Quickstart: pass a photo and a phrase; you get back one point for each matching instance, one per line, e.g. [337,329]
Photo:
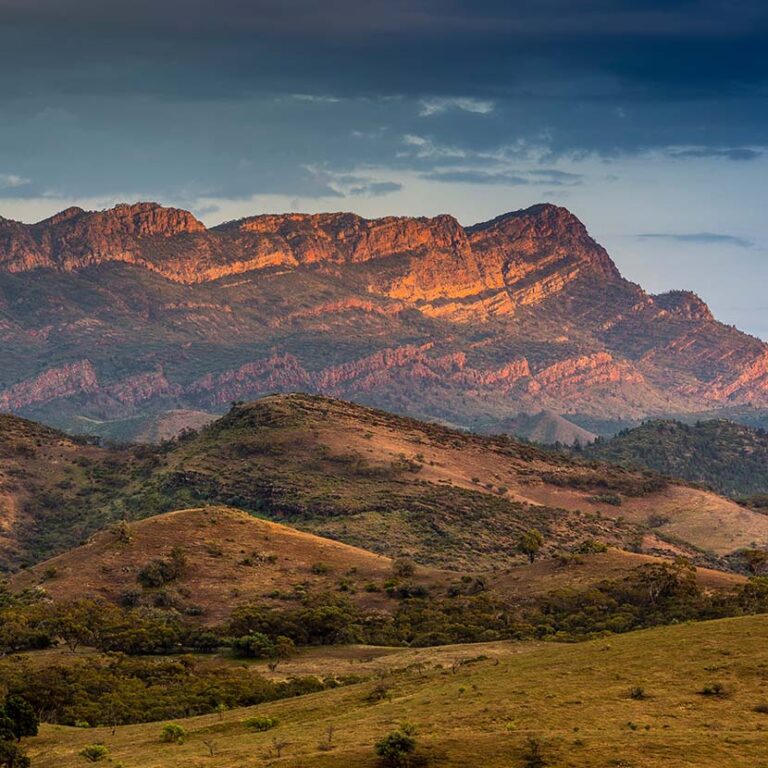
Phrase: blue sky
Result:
[647,118]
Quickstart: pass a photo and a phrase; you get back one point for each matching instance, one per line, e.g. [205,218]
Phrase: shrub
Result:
[320,569]
[173,734]
[403,567]
[261,723]
[716,690]
[257,645]
[606,498]
[93,753]
[637,693]
[395,750]
[532,755]
[378,693]
[762,708]
[591,547]
[13,756]
[159,572]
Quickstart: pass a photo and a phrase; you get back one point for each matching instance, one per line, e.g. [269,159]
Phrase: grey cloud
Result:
[705,238]
[476,177]
[548,176]
[375,189]
[739,154]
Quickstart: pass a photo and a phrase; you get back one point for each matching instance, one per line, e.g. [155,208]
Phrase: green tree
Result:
[173,734]
[396,749]
[18,718]
[530,543]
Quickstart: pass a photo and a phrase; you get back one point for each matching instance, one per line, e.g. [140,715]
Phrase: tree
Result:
[257,645]
[173,734]
[396,749]
[18,718]
[530,543]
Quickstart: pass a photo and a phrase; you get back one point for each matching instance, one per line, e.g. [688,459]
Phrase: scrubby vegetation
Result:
[728,457]
[275,458]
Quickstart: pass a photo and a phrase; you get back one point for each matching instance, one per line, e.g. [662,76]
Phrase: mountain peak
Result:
[148,218]
[542,214]
[685,304]
[59,218]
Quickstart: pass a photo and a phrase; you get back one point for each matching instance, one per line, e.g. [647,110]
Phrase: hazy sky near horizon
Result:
[647,118]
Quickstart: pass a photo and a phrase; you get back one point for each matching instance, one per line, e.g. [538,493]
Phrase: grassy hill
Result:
[391,485]
[233,559]
[577,701]
[730,458]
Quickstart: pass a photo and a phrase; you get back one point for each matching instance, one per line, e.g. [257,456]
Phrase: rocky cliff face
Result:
[141,307]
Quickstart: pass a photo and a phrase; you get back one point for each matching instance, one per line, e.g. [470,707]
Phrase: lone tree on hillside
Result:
[530,543]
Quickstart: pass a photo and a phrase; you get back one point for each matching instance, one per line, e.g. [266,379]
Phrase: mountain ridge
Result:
[140,309]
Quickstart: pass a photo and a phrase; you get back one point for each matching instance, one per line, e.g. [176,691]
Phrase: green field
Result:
[575,699]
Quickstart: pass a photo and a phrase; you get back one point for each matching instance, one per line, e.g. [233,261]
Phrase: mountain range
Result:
[112,317]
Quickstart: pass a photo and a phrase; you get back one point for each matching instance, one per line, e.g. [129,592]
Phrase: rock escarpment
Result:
[142,308]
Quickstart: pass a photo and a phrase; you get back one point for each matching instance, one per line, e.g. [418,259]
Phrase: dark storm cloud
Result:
[706,238]
[227,98]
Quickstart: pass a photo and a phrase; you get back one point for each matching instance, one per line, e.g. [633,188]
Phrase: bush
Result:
[403,568]
[159,572]
[532,756]
[762,708]
[173,734]
[261,723]
[13,756]
[607,498]
[637,693]
[257,645]
[716,690]
[93,753]
[396,749]
[591,547]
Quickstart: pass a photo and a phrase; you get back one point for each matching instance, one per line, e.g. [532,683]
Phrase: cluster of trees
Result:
[116,689]
[40,624]
[17,720]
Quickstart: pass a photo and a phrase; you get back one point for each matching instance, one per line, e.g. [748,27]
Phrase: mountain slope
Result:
[141,309]
[729,457]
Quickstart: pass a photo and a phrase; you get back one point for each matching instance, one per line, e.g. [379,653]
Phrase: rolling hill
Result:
[547,428]
[728,457]
[115,315]
[233,559]
[392,485]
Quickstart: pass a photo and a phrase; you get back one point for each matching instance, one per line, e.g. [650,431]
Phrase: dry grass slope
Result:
[233,558]
[574,698]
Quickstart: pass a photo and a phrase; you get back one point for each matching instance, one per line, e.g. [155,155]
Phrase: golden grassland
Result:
[574,698]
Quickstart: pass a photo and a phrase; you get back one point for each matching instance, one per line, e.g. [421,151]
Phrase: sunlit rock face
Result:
[142,308]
